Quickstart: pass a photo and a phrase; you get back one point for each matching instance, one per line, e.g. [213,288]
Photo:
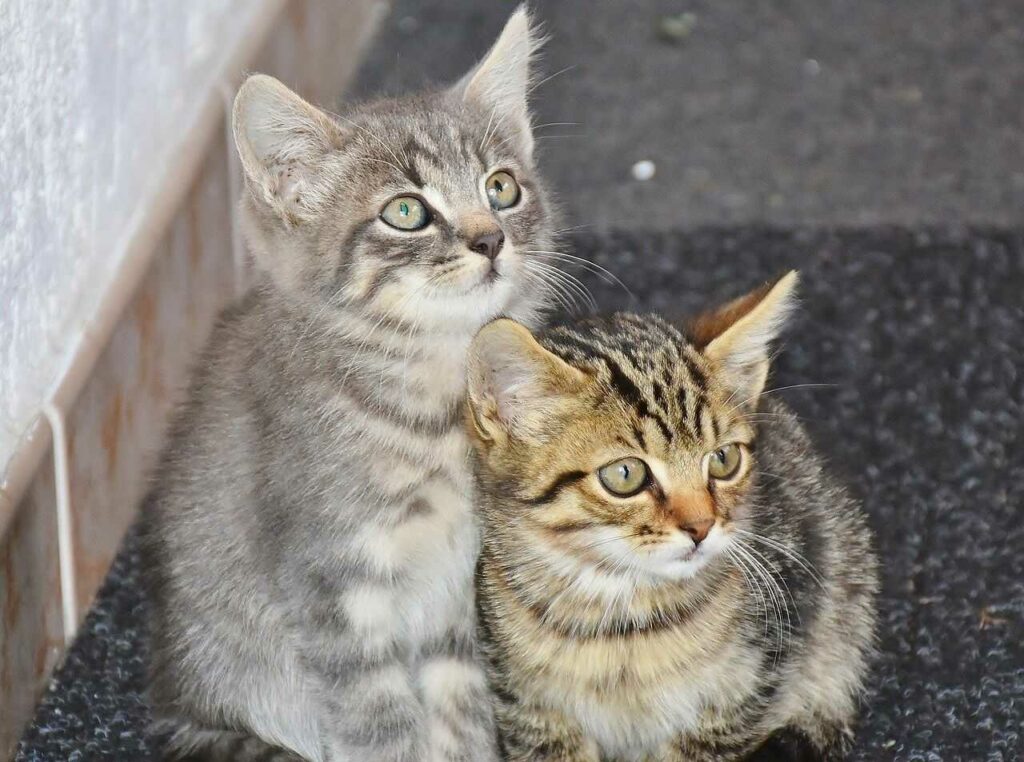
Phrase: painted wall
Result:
[94,95]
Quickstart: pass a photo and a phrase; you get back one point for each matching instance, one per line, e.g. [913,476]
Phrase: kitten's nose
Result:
[488,244]
[698,530]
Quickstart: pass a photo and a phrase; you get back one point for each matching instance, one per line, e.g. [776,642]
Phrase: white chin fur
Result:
[469,300]
[672,560]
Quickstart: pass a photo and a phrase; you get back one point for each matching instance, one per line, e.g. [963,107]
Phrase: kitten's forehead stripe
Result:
[649,365]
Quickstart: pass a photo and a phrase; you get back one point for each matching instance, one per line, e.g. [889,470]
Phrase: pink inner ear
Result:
[289,180]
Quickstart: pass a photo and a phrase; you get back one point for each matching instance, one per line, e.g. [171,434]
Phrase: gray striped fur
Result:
[309,537]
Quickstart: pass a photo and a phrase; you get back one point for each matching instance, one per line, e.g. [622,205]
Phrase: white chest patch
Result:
[630,726]
[430,556]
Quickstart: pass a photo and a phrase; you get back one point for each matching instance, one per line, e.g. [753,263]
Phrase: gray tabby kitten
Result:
[668,572]
[310,537]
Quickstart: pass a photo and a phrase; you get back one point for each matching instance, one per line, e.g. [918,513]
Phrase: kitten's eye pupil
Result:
[404,207]
[624,478]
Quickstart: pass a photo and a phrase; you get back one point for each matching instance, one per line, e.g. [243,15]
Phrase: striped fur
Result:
[310,538]
[610,635]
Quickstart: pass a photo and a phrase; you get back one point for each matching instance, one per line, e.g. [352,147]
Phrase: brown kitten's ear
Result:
[500,83]
[515,385]
[281,139]
[737,337]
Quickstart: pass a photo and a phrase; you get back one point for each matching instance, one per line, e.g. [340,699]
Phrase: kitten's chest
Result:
[640,716]
[427,544]
[634,694]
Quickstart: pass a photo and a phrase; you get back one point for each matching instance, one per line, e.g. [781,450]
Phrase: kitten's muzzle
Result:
[488,244]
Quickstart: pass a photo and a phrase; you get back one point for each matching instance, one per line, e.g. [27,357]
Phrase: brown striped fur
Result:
[610,635]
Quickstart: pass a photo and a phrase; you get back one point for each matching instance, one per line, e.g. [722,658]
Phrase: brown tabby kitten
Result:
[667,572]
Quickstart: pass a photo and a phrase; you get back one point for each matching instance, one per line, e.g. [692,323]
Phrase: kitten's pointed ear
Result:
[281,140]
[515,385]
[737,337]
[500,83]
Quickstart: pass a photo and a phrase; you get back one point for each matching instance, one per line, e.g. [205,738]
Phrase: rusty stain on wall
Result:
[110,432]
[30,599]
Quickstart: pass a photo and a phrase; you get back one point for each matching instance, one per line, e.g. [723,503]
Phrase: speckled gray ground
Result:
[792,112]
[922,336]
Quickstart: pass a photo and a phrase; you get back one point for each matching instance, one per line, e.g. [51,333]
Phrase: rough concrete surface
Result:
[834,112]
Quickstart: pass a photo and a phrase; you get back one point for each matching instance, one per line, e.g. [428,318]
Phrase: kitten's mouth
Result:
[687,554]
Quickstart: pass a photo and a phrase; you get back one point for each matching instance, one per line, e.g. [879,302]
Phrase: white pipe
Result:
[65,533]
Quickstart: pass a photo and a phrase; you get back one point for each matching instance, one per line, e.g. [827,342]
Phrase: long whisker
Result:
[550,77]
[779,607]
[557,281]
[751,583]
[573,228]
[791,553]
[553,290]
[777,390]
[603,272]
[570,281]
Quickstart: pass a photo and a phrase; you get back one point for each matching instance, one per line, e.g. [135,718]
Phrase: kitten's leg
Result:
[793,744]
[182,741]
[532,734]
[460,717]
[720,746]
[370,709]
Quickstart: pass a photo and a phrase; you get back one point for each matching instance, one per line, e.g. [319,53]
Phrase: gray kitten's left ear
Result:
[282,141]
[500,83]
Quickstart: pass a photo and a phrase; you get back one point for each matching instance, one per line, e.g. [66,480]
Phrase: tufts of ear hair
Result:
[282,141]
[515,385]
[500,83]
[737,337]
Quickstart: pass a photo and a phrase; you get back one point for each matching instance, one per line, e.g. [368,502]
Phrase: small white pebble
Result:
[812,67]
[643,170]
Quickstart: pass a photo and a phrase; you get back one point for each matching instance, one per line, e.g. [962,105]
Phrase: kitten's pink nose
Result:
[488,244]
[698,530]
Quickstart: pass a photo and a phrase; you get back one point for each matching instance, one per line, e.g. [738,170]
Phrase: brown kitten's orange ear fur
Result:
[515,385]
[737,337]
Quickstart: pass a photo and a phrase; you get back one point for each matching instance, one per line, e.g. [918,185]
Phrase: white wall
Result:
[94,96]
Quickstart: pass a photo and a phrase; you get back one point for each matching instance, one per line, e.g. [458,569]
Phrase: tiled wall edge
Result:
[51,444]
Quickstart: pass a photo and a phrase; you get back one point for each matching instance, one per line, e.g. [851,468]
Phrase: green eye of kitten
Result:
[405,213]
[725,462]
[502,190]
[624,478]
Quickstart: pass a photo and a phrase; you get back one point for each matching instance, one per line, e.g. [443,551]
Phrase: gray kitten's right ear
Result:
[500,83]
[281,141]
[515,385]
